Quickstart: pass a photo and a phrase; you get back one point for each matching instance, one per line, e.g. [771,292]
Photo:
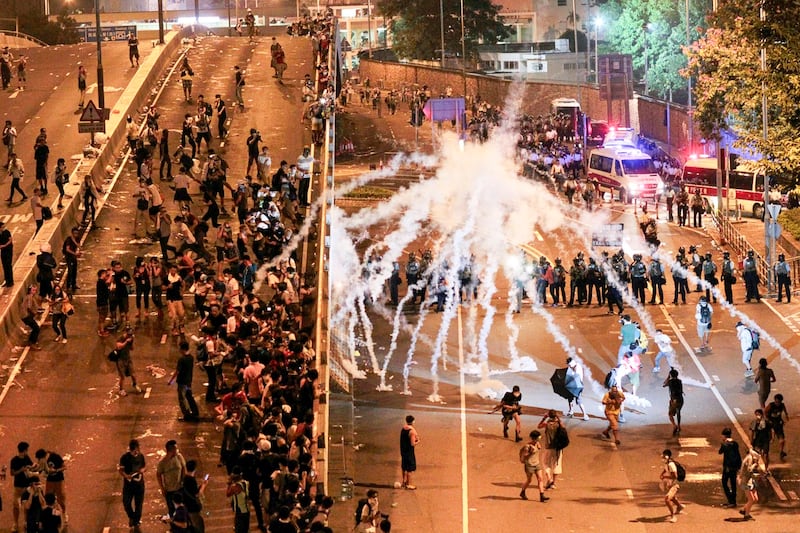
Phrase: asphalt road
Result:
[603,485]
[65,396]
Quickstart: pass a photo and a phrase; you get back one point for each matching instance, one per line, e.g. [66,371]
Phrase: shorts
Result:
[187,84]
[702,329]
[675,405]
[125,368]
[777,430]
[532,469]
[102,311]
[613,421]
[673,491]
[154,210]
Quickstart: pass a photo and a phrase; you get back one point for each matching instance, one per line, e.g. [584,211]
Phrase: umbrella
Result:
[575,387]
[559,382]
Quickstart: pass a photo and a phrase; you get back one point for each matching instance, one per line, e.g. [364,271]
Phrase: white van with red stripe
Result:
[746,184]
[624,171]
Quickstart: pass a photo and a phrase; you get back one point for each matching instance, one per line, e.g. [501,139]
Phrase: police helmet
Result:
[751,253]
[726,254]
[692,249]
[708,255]
[781,257]
[681,250]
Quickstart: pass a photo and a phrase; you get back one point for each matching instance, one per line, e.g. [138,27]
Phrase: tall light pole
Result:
[689,85]
[101,96]
[369,27]
[598,21]
[441,23]
[769,235]
[463,52]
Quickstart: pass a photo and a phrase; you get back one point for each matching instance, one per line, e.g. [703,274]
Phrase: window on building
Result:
[510,65]
[562,3]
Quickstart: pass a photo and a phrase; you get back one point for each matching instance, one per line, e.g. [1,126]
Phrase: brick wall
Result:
[536,96]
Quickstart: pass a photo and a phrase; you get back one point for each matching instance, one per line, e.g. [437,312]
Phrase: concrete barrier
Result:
[56,230]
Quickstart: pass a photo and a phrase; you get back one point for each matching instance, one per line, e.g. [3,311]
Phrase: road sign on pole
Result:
[774,229]
[91,113]
[774,210]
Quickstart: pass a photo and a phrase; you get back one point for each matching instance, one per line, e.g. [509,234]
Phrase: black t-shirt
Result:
[191,491]
[5,237]
[185,367]
[276,526]
[103,294]
[511,402]
[181,515]
[132,463]
[17,462]
[122,278]
[55,462]
[50,520]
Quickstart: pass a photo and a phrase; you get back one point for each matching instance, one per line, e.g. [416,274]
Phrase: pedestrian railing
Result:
[23,36]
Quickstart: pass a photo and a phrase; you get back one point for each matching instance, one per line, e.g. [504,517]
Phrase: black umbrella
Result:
[559,382]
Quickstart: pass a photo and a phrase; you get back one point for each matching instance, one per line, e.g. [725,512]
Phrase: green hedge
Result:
[370,192]
[790,220]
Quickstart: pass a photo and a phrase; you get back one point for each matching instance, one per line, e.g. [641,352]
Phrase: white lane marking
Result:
[41,104]
[106,529]
[694,442]
[14,94]
[27,120]
[629,492]
[463,415]
[715,377]
[538,236]
[14,373]
[715,391]
[737,411]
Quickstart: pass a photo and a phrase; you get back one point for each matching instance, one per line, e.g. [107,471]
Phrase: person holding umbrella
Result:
[574,384]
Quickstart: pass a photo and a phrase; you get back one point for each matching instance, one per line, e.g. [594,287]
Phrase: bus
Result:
[746,184]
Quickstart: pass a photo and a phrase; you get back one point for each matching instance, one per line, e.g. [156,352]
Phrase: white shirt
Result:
[663,342]
[745,338]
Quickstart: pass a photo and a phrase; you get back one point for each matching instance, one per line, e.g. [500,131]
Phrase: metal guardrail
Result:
[25,36]
[740,245]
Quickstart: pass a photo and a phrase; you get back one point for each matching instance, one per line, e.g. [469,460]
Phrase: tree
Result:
[416,26]
[726,64]
[657,27]
[61,31]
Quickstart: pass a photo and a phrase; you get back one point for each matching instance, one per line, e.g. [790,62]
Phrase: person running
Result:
[675,386]
[764,377]
[408,442]
[124,362]
[753,467]
[574,382]
[510,409]
[665,350]
[731,463]
[239,83]
[612,401]
[777,415]
[530,456]
[669,483]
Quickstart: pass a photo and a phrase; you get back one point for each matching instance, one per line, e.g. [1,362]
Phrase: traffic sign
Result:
[774,229]
[609,235]
[92,127]
[91,113]
[774,210]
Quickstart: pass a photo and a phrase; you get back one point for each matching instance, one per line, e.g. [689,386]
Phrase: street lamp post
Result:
[769,221]
[441,22]
[597,23]
[463,52]
[646,59]
[101,97]
[689,85]
[369,27]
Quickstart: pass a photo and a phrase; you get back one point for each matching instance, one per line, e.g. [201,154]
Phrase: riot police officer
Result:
[782,273]
[728,276]
[751,278]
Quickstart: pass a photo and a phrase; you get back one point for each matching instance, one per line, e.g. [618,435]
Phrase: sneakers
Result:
[122,392]
[518,439]
[621,419]
[523,495]
[58,339]
[63,341]
[585,417]
[543,498]
[411,487]
[656,369]
[681,509]
[672,519]
[569,414]
[748,373]
[606,435]
[137,388]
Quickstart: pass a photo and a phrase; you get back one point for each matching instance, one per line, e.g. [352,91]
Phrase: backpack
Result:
[202,352]
[756,339]
[360,509]
[113,356]
[705,314]
[524,453]
[680,471]
[642,340]
[560,438]
[6,138]
[608,382]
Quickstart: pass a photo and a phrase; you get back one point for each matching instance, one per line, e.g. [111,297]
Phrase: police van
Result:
[620,168]
[746,184]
